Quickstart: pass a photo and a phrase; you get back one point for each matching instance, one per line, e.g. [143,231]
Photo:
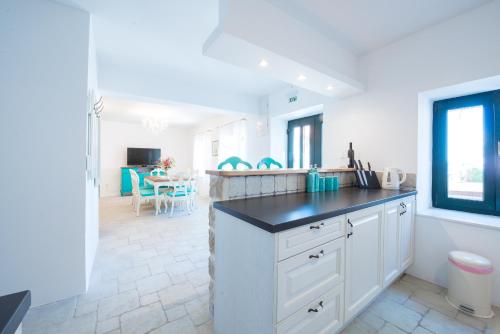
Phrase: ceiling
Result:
[175,114]
[365,25]
[167,36]
[163,41]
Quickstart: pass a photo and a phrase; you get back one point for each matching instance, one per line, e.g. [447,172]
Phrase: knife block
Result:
[371,178]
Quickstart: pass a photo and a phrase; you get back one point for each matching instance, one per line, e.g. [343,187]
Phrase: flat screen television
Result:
[143,156]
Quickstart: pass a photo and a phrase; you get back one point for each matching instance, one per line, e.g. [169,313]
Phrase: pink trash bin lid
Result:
[470,262]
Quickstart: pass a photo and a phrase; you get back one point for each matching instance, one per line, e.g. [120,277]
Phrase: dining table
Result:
[158,181]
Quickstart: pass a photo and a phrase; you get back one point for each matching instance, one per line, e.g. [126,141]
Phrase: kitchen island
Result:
[307,262]
[238,184]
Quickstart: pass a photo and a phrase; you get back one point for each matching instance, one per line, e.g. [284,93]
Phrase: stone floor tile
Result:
[371,319]
[107,325]
[152,284]
[143,319]
[133,274]
[441,324]
[85,308]
[358,327]
[198,311]
[48,315]
[177,294]
[85,324]
[178,279]
[396,314]
[149,299]
[390,329]
[179,326]
[206,328]
[198,277]
[421,330]
[434,301]
[416,306]
[397,292]
[477,323]
[122,287]
[175,312]
[116,305]
[422,284]
[180,268]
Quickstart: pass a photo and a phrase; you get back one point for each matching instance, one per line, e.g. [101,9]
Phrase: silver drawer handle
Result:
[316,227]
[317,309]
[317,256]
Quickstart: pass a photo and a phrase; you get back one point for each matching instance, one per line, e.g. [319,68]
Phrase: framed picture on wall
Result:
[215,148]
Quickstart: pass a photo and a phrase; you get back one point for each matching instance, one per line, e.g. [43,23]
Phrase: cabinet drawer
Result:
[305,237]
[327,319]
[307,276]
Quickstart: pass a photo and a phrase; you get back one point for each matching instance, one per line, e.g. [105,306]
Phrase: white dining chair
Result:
[193,191]
[178,194]
[139,194]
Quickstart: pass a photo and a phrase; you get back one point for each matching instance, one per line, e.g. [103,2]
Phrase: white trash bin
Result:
[469,283]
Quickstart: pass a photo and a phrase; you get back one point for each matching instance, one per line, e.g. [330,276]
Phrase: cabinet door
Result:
[363,278]
[406,228]
[391,241]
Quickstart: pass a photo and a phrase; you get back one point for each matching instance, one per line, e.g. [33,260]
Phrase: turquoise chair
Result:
[234,162]
[266,163]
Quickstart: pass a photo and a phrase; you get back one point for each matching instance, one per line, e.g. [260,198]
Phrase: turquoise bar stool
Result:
[234,162]
[266,163]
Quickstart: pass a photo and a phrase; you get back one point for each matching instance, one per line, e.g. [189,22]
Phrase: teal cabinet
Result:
[126,184]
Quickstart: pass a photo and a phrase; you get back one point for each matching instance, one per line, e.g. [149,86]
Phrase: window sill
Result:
[466,218]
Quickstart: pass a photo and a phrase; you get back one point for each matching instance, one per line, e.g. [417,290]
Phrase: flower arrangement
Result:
[168,163]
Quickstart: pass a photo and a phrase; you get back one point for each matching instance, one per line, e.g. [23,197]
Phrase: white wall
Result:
[92,189]
[117,136]
[435,238]
[382,123]
[44,73]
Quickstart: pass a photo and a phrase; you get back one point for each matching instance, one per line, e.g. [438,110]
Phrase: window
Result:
[304,142]
[466,153]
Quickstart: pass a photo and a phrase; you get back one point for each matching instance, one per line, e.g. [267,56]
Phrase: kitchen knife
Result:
[363,173]
[360,178]
[369,168]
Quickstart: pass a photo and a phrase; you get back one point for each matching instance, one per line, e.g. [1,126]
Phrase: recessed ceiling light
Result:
[263,63]
[329,87]
[301,77]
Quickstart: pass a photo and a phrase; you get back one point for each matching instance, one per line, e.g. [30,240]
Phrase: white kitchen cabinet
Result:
[363,279]
[391,243]
[406,225]
[309,279]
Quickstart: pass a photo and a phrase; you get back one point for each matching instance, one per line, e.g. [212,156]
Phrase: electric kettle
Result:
[391,178]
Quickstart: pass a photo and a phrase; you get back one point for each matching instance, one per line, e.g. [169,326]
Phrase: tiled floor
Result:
[411,305]
[150,276]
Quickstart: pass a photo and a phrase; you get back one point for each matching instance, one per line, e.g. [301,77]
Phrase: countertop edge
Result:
[308,220]
[257,172]
[18,312]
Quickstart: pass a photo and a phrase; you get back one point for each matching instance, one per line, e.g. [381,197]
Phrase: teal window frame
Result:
[316,123]
[491,178]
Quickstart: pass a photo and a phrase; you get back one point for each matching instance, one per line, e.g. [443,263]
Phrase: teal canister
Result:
[329,183]
[321,184]
[310,180]
[335,183]
[316,181]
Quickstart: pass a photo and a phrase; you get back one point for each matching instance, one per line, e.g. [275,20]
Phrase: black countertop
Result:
[283,212]
[13,308]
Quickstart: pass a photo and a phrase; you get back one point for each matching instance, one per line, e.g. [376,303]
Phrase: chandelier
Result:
[155,125]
